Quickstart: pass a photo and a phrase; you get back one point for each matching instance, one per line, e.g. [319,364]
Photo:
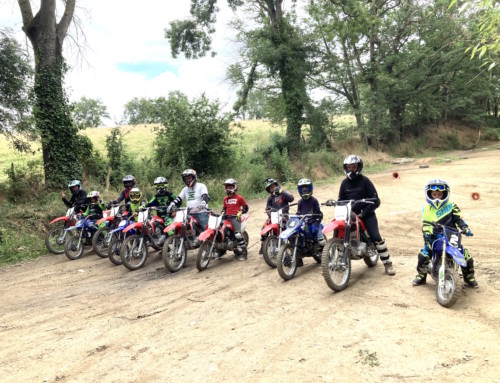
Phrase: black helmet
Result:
[268,182]
[231,185]
[353,159]
[305,188]
[128,182]
[161,184]
[187,173]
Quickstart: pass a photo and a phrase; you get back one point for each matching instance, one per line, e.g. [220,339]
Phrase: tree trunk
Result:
[52,116]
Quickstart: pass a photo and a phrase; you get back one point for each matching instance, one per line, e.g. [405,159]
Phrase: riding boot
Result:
[384,257]
[468,273]
[242,246]
[423,261]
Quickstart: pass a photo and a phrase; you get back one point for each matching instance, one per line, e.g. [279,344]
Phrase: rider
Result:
[131,207]
[309,205]
[196,196]
[128,184]
[234,206]
[440,209]
[278,199]
[355,187]
[162,200]
[78,196]
[95,208]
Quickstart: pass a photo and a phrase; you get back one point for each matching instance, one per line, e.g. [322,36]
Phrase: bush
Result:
[24,182]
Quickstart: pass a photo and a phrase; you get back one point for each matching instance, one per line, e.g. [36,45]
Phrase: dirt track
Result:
[88,320]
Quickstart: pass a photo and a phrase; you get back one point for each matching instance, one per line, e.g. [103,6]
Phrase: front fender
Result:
[207,234]
[65,219]
[289,232]
[176,226]
[272,227]
[136,225]
[457,255]
[335,225]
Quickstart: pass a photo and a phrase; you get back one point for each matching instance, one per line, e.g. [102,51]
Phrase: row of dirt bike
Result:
[288,240]
[126,239]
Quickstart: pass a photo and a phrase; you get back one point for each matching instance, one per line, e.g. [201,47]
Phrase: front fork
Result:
[442,268]
[295,247]
[347,237]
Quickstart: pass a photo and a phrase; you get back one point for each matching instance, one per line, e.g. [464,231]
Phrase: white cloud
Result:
[127,31]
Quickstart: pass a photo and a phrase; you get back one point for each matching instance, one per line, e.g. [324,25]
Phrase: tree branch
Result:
[26,12]
[62,27]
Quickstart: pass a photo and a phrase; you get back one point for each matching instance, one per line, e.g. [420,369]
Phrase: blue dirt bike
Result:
[297,242]
[447,255]
[117,238]
[84,230]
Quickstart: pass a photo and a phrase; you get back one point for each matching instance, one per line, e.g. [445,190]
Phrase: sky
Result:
[126,54]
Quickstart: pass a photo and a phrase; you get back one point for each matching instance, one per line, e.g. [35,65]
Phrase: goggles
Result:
[305,189]
[437,187]
[135,196]
[161,186]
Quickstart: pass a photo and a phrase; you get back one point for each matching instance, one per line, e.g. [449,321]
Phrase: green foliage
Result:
[88,113]
[144,111]
[24,182]
[16,79]
[369,358]
[194,134]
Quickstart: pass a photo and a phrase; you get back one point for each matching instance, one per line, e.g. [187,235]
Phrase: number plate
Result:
[274,217]
[340,213]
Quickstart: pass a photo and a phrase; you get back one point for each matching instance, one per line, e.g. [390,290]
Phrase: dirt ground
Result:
[88,320]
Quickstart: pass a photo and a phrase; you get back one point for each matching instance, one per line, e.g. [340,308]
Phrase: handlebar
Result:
[332,202]
[440,226]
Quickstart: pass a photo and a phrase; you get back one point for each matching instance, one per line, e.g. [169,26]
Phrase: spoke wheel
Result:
[73,248]
[204,255]
[114,251]
[134,255]
[335,271]
[174,256]
[448,295]
[101,240]
[286,262]
[56,238]
[270,250]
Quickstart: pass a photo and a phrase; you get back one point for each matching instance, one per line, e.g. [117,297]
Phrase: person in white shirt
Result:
[196,196]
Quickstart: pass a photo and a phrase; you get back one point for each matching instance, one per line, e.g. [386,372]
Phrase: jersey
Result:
[193,195]
[449,215]
[310,206]
[279,201]
[233,204]
[356,189]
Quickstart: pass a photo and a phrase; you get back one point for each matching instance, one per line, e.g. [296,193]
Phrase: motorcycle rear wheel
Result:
[270,250]
[448,295]
[335,272]
[286,262]
[114,251]
[204,255]
[71,248]
[171,258]
[56,238]
[371,257]
[101,241]
[131,256]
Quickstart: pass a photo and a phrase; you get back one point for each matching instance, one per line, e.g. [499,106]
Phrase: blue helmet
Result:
[305,188]
[437,185]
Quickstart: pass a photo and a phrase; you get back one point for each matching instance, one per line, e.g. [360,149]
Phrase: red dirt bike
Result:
[183,236]
[350,241]
[57,235]
[219,238]
[103,237]
[273,228]
[148,228]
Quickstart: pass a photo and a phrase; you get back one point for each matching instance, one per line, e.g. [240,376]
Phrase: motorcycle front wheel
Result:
[336,272]
[73,248]
[270,250]
[448,295]
[286,262]
[101,241]
[132,253]
[114,251]
[174,255]
[204,255]
[56,238]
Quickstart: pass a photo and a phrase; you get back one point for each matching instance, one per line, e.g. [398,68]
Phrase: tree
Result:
[51,110]
[16,78]
[143,111]
[88,113]
[278,47]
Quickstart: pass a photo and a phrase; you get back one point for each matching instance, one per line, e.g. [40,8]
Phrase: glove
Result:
[171,207]
[467,231]
[238,216]
[108,206]
[203,205]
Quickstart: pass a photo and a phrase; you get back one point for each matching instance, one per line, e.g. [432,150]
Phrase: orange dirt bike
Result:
[218,238]
[183,236]
[148,228]
[350,242]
